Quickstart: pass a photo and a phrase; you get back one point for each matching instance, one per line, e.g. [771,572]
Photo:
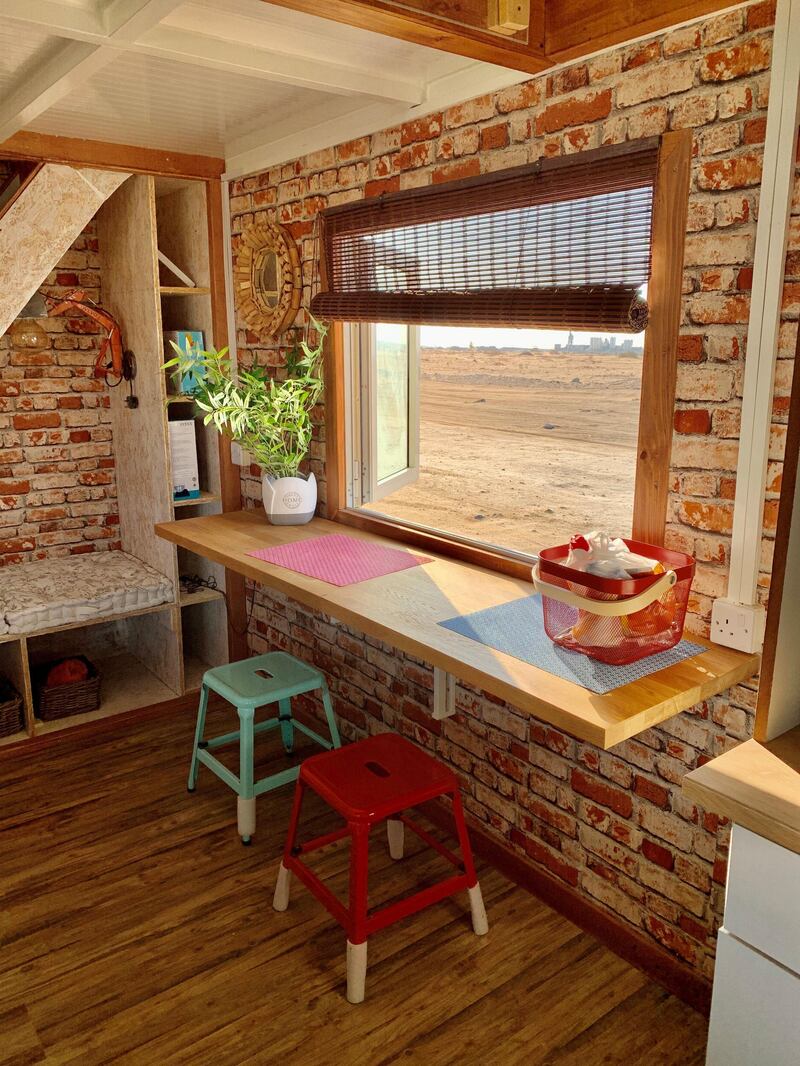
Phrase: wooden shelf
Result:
[404,609]
[200,595]
[126,684]
[85,623]
[184,290]
[193,670]
[13,738]
[204,497]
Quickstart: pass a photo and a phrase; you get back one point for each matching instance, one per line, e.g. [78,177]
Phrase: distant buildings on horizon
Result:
[600,346]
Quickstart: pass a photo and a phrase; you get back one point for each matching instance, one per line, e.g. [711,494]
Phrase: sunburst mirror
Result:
[268,278]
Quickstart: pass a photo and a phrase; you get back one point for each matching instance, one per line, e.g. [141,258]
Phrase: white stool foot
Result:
[280,901]
[394,832]
[356,971]
[246,816]
[480,923]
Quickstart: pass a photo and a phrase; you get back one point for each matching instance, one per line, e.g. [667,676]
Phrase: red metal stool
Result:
[368,782]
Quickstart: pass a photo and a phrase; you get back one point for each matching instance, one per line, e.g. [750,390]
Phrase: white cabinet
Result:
[755,1009]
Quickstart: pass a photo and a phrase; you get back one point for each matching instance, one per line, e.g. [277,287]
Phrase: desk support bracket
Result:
[444,694]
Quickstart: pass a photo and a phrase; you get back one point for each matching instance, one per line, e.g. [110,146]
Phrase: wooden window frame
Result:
[659,372]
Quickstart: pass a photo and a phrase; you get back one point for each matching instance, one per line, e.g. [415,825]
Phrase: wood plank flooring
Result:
[135,928]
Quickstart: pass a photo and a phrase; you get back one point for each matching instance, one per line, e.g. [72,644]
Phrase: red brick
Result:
[421,129]
[658,854]
[755,130]
[692,420]
[736,172]
[574,111]
[494,136]
[672,939]
[37,420]
[760,16]
[750,57]
[717,518]
[651,791]
[463,168]
[381,185]
[554,863]
[642,54]
[615,799]
[690,348]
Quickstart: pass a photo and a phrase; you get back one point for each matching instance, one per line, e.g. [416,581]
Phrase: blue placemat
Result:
[517,628]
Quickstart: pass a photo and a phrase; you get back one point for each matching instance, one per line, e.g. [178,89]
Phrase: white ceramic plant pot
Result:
[289,501]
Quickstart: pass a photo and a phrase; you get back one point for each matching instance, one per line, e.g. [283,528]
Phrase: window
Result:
[493,377]
[516,438]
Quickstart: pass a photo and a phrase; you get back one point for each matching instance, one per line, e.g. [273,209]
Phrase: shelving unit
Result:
[161,652]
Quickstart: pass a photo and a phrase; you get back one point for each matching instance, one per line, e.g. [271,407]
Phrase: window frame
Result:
[659,372]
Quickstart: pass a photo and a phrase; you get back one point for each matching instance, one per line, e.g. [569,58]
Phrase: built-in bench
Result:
[51,593]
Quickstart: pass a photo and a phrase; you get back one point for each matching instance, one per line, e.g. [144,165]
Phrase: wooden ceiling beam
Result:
[460,28]
[576,28]
[106,156]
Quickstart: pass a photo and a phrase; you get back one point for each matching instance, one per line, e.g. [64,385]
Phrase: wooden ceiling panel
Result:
[457,26]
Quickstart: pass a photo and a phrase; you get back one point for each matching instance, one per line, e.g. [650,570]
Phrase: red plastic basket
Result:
[614,621]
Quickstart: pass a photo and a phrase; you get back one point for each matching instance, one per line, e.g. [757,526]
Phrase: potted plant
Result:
[270,419]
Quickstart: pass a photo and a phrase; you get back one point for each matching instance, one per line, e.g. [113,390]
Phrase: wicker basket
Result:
[61,701]
[10,709]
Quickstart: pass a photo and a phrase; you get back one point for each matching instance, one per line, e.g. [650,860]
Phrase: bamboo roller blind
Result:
[562,244]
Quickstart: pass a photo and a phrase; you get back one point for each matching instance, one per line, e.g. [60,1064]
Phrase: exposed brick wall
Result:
[57,484]
[613,825]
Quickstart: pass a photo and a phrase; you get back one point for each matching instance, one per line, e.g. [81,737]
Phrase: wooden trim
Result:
[659,373]
[25,181]
[780,557]
[616,934]
[449,544]
[660,367]
[335,430]
[106,156]
[446,34]
[230,477]
[575,29]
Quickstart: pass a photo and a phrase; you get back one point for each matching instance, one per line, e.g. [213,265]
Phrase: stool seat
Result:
[263,679]
[377,777]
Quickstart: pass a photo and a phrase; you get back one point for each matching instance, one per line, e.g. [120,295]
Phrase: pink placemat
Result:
[339,560]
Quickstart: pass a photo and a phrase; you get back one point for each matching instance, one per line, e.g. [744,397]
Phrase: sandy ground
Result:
[491,468]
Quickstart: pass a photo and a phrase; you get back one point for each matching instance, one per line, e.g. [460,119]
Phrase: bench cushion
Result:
[78,588]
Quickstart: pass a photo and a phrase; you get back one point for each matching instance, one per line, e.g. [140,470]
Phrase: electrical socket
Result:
[738,625]
[239,456]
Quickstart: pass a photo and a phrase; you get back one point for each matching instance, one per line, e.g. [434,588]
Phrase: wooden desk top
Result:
[755,785]
[403,610]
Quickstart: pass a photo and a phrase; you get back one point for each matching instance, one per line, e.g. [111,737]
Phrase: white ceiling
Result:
[242,79]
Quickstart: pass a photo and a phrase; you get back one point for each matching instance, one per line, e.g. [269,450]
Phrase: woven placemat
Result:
[517,628]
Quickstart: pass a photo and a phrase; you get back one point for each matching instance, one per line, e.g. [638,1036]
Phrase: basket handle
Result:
[606,608]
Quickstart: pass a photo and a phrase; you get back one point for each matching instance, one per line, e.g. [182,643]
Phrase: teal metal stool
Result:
[252,683]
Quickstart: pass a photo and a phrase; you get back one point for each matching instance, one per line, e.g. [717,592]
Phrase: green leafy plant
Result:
[270,419]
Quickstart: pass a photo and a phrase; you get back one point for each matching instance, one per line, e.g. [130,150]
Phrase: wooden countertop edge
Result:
[603,735]
[755,787]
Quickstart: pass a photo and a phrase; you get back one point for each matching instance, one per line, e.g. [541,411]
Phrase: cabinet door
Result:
[755,1010]
[762,906]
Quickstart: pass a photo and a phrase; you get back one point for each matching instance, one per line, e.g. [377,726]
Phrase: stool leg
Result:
[395,833]
[480,922]
[357,941]
[280,900]
[246,804]
[198,737]
[356,972]
[287,729]
[336,740]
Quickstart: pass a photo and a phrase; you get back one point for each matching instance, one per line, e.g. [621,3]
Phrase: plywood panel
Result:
[183,229]
[156,640]
[14,666]
[130,291]
[53,209]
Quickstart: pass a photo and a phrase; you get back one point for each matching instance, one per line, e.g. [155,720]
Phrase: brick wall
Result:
[612,825]
[57,485]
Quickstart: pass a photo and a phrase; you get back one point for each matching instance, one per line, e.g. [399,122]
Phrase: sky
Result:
[462,336]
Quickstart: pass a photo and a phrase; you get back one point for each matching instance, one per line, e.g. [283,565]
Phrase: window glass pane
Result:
[391,382]
[526,436]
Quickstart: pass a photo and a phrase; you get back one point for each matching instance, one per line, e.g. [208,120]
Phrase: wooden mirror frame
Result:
[256,242]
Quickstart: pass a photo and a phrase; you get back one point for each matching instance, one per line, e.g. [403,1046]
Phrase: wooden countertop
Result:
[403,610]
[755,785]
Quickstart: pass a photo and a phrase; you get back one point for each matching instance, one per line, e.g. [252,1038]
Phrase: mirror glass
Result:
[267,280]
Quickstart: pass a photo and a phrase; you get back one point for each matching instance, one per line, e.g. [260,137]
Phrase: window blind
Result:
[562,244]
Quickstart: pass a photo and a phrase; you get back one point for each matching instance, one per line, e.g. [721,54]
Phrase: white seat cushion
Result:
[78,588]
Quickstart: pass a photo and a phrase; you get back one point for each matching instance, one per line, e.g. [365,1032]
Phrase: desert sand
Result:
[523,449]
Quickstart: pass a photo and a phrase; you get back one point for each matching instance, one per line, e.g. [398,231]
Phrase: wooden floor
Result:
[134,927]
